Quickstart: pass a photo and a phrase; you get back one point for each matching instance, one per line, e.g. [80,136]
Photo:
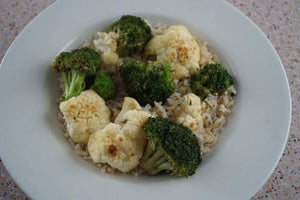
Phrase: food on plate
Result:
[131,33]
[178,47]
[143,99]
[171,147]
[121,144]
[107,47]
[84,115]
[189,112]
[104,85]
[147,82]
[212,79]
[74,66]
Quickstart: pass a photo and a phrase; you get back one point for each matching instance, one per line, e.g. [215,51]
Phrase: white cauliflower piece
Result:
[189,113]
[179,47]
[109,58]
[129,104]
[104,42]
[121,144]
[108,145]
[106,46]
[133,123]
[84,115]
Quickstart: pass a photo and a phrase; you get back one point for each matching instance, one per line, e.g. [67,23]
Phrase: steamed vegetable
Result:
[148,82]
[177,46]
[133,33]
[74,66]
[121,144]
[104,86]
[171,148]
[212,79]
[106,46]
[84,115]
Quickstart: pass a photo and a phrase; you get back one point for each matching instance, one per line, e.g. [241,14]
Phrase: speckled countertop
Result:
[280,21]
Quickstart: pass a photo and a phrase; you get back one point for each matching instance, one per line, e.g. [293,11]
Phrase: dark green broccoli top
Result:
[74,66]
[148,82]
[134,34]
[212,79]
[179,144]
[84,61]
[104,86]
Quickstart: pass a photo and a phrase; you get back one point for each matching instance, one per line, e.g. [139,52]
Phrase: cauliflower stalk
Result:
[178,47]
[189,112]
[106,46]
[84,114]
[121,144]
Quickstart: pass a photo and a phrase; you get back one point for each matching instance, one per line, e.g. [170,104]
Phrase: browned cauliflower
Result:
[84,114]
[178,47]
[121,144]
[189,112]
[106,46]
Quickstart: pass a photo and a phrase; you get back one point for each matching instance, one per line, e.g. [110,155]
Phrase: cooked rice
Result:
[214,109]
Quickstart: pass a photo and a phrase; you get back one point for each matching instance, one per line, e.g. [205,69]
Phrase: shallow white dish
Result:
[40,159]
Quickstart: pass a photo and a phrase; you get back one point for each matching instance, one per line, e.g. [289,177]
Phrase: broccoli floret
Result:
[74,66]
[171,148]
[212,79]
[148,82]
[104,86]
[133,34]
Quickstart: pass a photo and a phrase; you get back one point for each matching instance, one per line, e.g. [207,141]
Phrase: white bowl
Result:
[40,159]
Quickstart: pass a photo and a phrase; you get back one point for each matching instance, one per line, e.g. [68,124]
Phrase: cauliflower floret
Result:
[104,42]
[129,104]
[84,114]
[179,47]
[189,113]
[108,145]
[106,46]
[133,122]
[121,144]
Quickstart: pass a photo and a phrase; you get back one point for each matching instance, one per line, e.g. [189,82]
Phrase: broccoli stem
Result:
[152,161]
[74,83]
[155,160]
[160,161]
[149,150]
[66,81]
[162,167]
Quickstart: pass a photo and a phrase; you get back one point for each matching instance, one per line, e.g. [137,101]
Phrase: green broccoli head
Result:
[148,82]
[84,61]
[104,86]
[134,33]
[212,79]
[171,148]
[74,66]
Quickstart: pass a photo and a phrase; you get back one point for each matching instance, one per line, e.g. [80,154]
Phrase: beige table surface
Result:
[280,21]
